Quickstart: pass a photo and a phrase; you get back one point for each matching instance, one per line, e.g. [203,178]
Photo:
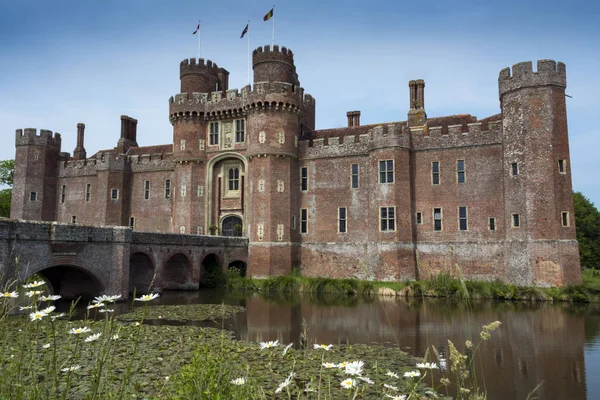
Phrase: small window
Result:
[516,221]
[88,192]
[515,169]
[240,131]
[386,171]
[293,222]
[387,219]
[437,219]
[462,218]
[304,179]
[114,194]
[200,191]
[74,219]
[182,229]
[214,133]
[492,224]
[63,193]
[33,196]
[303,220]
[354,176]
[146,190]
[281,139]
[132,222]
[201,143]
[182,144]
[167,188]
[183,190]
[342,219]
[460,171]
[435,173]
[562,167]
[199,230]
[233,179]
[419,218]
[565,219]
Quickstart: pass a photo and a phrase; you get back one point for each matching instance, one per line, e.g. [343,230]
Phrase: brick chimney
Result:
[79,152]
[353,118]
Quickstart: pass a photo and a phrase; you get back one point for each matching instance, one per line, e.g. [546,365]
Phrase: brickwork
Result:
[359,201]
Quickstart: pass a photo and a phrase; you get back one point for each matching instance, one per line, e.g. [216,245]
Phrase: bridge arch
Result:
[177,273]
[240,265]
[141,273]
[211,271]
[71,280]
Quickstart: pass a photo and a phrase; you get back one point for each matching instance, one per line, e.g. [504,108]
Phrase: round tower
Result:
[274,65]
[539,217]
[202,77]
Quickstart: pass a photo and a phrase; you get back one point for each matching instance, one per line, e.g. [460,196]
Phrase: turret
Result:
[79,152]
[274,65]
[202,77]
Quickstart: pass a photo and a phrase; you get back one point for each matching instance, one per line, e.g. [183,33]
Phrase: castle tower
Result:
[541,246]
[274,110]
[34,190]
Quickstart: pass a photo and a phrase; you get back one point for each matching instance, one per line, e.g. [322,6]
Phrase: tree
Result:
[587,220]
[7,171]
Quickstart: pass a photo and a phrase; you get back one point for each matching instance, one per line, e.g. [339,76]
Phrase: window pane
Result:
[461,165]
[461,177]
[462,212]
[383,212]
[436,166]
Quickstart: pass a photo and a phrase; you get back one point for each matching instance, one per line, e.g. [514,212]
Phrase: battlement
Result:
[549,73]
[29,136]
[265,53]
[190,65]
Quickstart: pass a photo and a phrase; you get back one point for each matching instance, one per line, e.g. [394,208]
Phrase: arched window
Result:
[234,179]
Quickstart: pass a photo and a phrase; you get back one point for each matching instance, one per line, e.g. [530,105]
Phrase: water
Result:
[557,345]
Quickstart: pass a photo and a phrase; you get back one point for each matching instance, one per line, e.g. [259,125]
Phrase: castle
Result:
[390,201]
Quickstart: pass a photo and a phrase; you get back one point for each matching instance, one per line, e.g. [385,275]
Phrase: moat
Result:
[557,344]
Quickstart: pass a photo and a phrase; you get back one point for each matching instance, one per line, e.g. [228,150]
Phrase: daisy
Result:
[93,337]
[48,310]
[343,364]
[392,374]
[287,348]
[427,365]
[36,316]
[106,299]
[32,293]
[34,284]
[46,346]
[394,388]
[108,310]
[285,383]
[115,337]
[354,368]
[25,308]
[50,298]
[412,374]
[239,381]
[326,347]
[268,345]
[329,365]
[53,317]
[95,305]
[148,297]
[365,379]
[76,331]
[71,369]
[399,397]
[348,383]
[14,295]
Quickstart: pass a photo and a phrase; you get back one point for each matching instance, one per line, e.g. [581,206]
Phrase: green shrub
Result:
[281,284]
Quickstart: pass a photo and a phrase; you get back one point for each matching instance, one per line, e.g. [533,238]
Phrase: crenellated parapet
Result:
[202,76]
[274,65]
[152,162]
[549,73]
[29,136]
[452,136]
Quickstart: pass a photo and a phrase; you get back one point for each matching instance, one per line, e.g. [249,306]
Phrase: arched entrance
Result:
[239,265]
[141,273]
[177,273]
[71,282]
[211,273]
[232,226]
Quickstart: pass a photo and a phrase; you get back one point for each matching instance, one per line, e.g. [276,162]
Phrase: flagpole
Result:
[273,43]
[248,52]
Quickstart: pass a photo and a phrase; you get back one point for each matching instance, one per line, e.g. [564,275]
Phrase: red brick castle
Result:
[390,201]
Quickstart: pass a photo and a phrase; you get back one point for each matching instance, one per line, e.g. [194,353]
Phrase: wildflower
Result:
[465,390]
[348,383]
[50,298]
[53,317]
[326,347]
[95,305]
[329,365]
[32,293]
[239,381]
[25,308]
[93,337]
[13,295]
[148,297]
[46,346]
[354,368]
[38,315]
[268,345]
[343,364]
[485,335]
[48,310]
[399,397]
[365,379]
[71,369]
[137,324]
[412,374]
[468,344]
[392,374]
[427,365]
[287,348]
[492,327]
[167,378]
[394,388]
[34,284]
[106,299]
[445,381]
[115,337]
[285,383]
[108,310]
[76,331]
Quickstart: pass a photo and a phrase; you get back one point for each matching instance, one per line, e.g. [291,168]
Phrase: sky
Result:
[91,61]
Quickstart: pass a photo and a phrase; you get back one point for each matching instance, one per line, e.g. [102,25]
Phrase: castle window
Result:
[435,172]
[234,179]
[293,222]
[304,179]
[462,218]
[132,222]
[114,194]
[460,171]
[167,188]
[182,144]
[354,176]
[199,230]
[562,167]
[88,192]
[183,190]
[516,221]
[565,218]
[200,191]
[437,219]
[419,218]
[342,220]
[387,219]
[240,131]
[33,196]
[214,134]
[63,193]
[182,229]
[201,143]
[281,139]
[492,224]
[515,169]
[74,219]
[386,171]
[303,220]
[146,190]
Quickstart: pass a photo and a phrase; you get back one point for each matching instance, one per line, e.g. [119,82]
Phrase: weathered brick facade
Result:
[389,201]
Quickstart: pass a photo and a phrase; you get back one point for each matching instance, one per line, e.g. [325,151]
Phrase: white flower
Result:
[329,365]
[53,317]
[399,397]
[46,346]
[115,337]
[71,369]
[50,298]
[343,364]
[268,345]
[323,346]
[25,308]
[148,297]
[95,305]
[34,284]
[285,383]
[239,381]
[106,299]
[76,331]
[394,388]
[14,295]
[427,365]
[38,315]
[412,374]
[33,293]
[48,310]
[137,324]
[354,368]
[108,310]
[392,374]
[287,348]
[93,337]
[348,383]
[365,379]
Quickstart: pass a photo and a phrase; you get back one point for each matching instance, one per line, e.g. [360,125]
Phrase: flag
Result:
[269,15]
[197,29]
[244,31]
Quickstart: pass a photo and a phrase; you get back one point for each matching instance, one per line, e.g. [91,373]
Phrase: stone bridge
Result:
[77,260]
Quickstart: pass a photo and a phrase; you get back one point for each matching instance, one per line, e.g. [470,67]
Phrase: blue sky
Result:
[66,61]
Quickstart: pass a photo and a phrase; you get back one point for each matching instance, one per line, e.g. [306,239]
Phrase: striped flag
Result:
[244,31]
[197,29]
[269,15]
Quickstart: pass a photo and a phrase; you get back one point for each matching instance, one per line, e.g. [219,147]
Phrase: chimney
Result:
[350,119]
[133,130]
[416,113]
[412,91]
[124,127]
[420,93]
[128,134]
[356,118]
[79,152]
